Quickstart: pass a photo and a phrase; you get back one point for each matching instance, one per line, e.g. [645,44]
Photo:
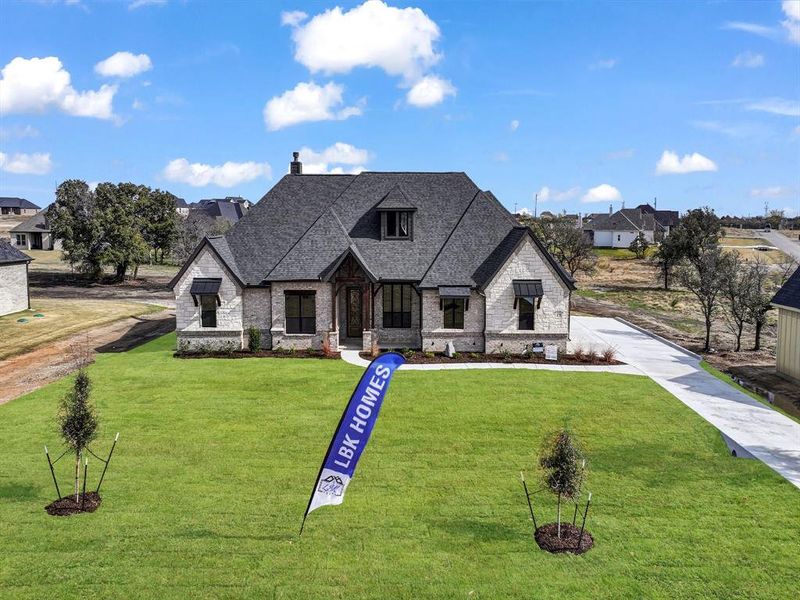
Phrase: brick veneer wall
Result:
[435,336]
[257,312]
[552,317]
[13,288]
[228,332]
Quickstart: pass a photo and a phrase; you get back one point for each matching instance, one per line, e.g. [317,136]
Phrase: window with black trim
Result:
[301,312]
[397,305]
[527,310]
[208,311]
[453,313]
[398,224]
[21,239]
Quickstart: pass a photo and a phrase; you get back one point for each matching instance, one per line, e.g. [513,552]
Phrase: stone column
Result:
[366,340]
[333,340]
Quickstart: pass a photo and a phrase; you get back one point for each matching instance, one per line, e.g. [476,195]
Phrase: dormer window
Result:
[398,224]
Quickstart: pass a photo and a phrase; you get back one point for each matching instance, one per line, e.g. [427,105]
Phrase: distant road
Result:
[790,247]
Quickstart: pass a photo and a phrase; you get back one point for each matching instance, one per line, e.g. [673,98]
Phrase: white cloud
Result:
[776,191]
[602,193]
[670,163]
[735,130]
[500,156]
[776,106]
[123,64]
[401,41]
[547,194]
[137,104]
[754,28]
[606,63]
[37,84]
[338,154]
[140,3]
[338,159]
[293,18]
[514,125]
[525,211]
[18,132]
[791,8]
[226,175]
[308,102]
[748,60]
[26,164]
[430,91]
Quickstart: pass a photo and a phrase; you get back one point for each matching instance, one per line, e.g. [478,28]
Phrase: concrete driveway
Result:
[751,427]
[786,245]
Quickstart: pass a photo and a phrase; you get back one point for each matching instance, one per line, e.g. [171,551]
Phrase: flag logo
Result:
[331,485]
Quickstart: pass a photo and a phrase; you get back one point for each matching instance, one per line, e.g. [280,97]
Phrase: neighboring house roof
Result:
[36,224]
[625,219]
[789,294]
[306,225]
[10,255]
[12,202]
[181,203]
[221,209]
[665,218]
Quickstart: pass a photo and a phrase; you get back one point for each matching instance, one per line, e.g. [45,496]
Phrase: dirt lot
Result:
[628,288]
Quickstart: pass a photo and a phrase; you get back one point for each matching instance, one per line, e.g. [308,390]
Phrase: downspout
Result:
[28,284]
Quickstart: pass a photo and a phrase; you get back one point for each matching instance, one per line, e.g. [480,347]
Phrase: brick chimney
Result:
[296,167]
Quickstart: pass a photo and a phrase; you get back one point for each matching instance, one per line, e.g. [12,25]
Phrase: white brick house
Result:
[14,295]
[412,260]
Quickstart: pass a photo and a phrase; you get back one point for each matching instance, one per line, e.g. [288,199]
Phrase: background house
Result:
[667,219]
[230,208]
[619,229]
[34,234]
[14,295]
[787,351]
[17,206]
[181,207]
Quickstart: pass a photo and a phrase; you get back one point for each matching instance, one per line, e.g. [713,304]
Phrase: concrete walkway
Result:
[352,357]
[760,431]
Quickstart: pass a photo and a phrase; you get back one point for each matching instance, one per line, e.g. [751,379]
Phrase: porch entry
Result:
[355,312]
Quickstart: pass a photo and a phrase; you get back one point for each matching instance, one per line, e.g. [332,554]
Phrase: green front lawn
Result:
[216,460]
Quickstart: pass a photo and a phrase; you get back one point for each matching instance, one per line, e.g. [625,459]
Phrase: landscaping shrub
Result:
[254,339]
[609,354]
[591,355]
[577,352]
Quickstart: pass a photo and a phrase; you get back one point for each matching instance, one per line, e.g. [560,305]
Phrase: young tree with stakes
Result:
[77,420]
[564,467]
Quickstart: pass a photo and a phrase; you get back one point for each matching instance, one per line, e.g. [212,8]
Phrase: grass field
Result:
[62,317]
[216,459]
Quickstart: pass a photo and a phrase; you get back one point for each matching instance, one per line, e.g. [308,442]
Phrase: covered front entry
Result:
[352,302]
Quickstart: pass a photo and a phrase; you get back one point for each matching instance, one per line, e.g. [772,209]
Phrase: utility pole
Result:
[536,205]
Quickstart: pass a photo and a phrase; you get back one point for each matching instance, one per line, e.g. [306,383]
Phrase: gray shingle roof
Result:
[307,224]
[9,254]
[789,294]
[626,219]
[37,223]
[13,202]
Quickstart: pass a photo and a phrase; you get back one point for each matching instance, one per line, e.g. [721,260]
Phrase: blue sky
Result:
[585,103]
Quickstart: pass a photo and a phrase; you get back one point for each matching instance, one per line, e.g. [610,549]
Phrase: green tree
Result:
[159,222]
[123,244]
[563,468]
[77,420]
[737,289]
[73,220]
[698,230]
[639,246]
[668,254]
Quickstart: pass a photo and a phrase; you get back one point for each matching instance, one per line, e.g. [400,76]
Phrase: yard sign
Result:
[352,433]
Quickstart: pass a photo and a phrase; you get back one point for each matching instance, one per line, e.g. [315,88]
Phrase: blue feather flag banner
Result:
[353,432]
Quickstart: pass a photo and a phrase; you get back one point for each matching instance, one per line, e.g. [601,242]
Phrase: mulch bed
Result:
[260,354]
[547,538]
[67,506]
[417,358]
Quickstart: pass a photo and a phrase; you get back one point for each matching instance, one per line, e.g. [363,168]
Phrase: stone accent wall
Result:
[191,334]
[551,323]
[435,336]
[390,337]
[256,312]
[13,288]
[280,338]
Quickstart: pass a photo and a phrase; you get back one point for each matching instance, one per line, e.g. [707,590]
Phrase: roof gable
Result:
[396,199]
[789,294]
[37,223]
[10,255]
